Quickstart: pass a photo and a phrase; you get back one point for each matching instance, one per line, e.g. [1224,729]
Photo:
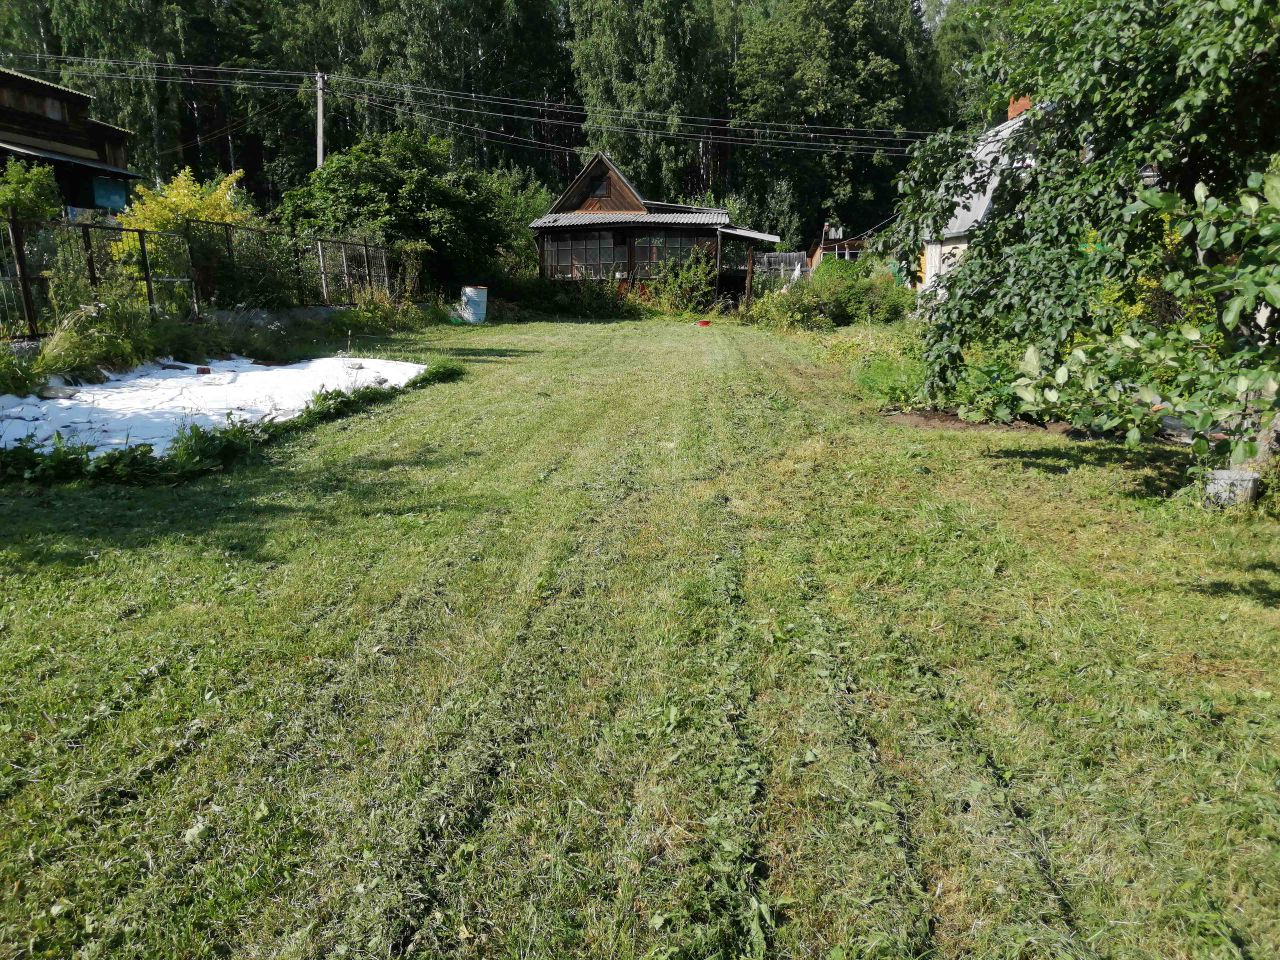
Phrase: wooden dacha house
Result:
[601,228]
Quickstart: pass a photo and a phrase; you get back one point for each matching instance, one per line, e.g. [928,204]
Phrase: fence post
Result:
[231,250]
[368,267]
[191,268]
[324,280]
[88,256]
[17,240]
[346,272]
[146,268]
[297,265]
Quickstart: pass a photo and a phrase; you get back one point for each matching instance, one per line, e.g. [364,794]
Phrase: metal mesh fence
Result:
[47,269]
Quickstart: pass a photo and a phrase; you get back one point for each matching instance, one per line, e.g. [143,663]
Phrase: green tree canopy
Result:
[400,188]
[1182,91]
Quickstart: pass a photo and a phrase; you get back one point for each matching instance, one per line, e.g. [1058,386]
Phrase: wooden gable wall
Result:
[621,199]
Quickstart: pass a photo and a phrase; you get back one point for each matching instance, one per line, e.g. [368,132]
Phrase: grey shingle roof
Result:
[706,218]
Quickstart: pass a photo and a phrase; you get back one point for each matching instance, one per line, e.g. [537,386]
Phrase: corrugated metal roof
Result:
[745,234]
[990,151]
[709,218]
[65,158]
[46,83]
[111,126]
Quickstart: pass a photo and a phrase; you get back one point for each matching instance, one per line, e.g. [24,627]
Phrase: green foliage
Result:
[796,308]
[376,311]
[171,205]
[440,370]
[861,291]
[17,373]
[397,188]
[1125,86]
[685,285]
[1217,373]
[837,293]
[834,63]
[517,298]
[519,200]
[968,29]
[110,335]
[884,360]
[29,191]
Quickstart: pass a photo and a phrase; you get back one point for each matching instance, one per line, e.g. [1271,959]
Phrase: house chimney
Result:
[1018,106]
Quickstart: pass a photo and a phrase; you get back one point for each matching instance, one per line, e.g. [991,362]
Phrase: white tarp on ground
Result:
[152,403]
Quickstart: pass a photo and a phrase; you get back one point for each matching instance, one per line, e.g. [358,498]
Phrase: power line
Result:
[871,133]
[238,78]
[511,138]
[264,111]
[866,149]
[635,115]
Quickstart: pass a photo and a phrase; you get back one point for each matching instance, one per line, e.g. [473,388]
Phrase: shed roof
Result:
[66,158]
[45,83]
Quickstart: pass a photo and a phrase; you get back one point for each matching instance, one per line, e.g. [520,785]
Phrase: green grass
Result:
[644,640]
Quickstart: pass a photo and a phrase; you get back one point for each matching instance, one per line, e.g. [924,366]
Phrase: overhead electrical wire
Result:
[634,115]
[873,133]
[708,138]
[724,132]
[511,139]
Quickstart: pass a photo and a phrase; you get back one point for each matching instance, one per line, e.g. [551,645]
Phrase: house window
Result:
[654,248]
[601,188]
[590,255]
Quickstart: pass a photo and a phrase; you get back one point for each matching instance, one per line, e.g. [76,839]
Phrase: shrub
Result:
[29,191]
[796,308]
[17,374]
[399,187]
[861,291]
[591,299]
[684,286]
[377,311]
[170,206]
[836,294]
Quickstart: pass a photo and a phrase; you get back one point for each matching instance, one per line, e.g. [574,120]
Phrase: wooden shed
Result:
[602,228]
[47,123]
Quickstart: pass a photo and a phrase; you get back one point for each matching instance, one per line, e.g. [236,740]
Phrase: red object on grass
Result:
[704,323]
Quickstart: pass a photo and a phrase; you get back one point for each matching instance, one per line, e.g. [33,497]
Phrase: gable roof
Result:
[973,206]
[596,164]
[563,212]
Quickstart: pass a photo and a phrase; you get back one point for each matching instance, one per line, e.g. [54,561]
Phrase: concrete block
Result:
[1226,488]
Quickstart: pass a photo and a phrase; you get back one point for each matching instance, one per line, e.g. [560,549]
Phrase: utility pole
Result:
[319,119]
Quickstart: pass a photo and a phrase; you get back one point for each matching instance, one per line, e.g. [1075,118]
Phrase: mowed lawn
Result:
[643,640]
